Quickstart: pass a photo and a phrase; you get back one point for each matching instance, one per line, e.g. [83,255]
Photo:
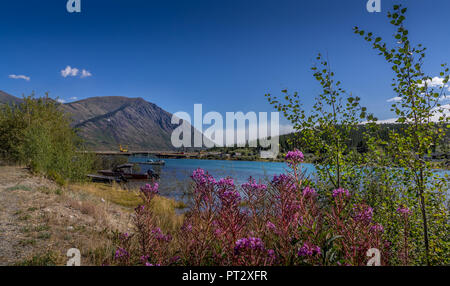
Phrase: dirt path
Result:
[40,221]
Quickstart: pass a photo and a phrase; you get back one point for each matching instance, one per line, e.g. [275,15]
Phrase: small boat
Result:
[126,171]
[153,162]
[105,179]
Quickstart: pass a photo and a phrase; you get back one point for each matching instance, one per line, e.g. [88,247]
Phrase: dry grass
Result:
[87,208]
[41,221]
[164,208]
[112,193]
[167,218]
[45,220]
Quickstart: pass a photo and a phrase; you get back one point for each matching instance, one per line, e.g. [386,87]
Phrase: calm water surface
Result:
[175,174]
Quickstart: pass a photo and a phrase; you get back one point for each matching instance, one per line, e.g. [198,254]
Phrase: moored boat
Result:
[105,179]
[126,171]
[153,162]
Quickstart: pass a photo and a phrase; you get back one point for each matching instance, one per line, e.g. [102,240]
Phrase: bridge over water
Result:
[159,154]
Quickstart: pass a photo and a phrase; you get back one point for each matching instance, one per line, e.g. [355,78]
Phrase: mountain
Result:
[8,99]
[106,122]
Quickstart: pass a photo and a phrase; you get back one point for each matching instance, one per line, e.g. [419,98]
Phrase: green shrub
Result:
[37,133]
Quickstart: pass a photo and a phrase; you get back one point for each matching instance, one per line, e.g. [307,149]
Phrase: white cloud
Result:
[85,73]
[434,82]
[445,97]
[14,76]
[443,110]
[394,99]
[286,129]
[73,98]
[69,71]
[437,112]
[61,100]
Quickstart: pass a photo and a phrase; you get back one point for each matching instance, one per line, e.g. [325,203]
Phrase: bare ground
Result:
[38,217]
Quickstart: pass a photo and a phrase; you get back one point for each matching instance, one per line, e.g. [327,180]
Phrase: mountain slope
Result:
[8,99]
[106,122]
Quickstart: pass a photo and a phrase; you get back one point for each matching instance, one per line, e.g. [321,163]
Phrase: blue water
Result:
[175,175]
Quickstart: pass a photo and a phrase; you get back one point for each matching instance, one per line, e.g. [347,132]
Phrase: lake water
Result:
[175,174]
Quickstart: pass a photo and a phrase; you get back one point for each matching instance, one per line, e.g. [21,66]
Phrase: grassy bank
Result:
[43,220]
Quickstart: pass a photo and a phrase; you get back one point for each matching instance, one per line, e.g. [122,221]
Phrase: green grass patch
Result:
[47,259]
[44,235]
[25,217]
[40,228]
[26,242]
[18,187]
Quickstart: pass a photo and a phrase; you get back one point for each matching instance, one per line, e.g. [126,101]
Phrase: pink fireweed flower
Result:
[341,192]
[150,190]
[294,157]
[403,210]
[250,243]
[226,182]
[377,228]
[251,184]
[202,178]
[362,212]
[308,191]
[230,198]
[160,236]
[309,249]
[121,252]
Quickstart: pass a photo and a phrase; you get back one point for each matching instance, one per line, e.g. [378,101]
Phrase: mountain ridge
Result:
[106,122]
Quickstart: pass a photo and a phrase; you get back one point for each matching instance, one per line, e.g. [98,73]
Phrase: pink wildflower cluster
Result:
[309,192]
[362,212]
[294,157]
[341,193]
[251,243]
[309,249]
[201,177]
[282,223]
[148,191]
[152,241]
[356,226]
[121,253]
[251,251]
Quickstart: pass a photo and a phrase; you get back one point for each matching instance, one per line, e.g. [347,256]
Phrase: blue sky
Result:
[225,54]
